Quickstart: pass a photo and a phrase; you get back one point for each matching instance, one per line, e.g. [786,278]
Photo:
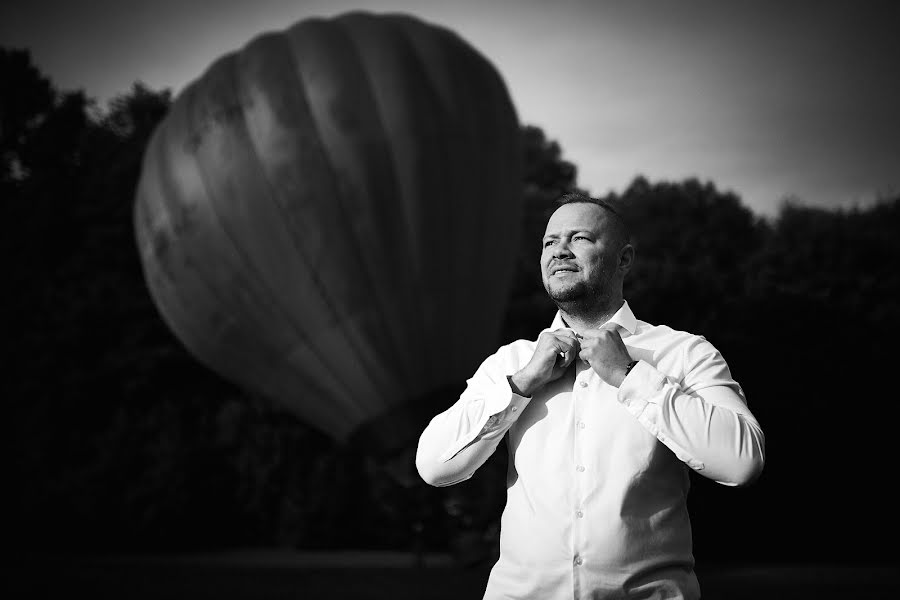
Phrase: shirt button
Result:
[579,514]
[578,560]
[580,468]
[580,424]
[583,384]
[515,408]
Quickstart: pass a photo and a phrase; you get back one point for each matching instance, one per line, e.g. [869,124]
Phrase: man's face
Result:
[580,254]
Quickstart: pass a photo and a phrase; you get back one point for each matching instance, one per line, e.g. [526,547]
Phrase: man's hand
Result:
[605,351]
[553,354]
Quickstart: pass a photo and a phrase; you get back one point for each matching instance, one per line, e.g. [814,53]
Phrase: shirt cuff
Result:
[501,409]
[639,386]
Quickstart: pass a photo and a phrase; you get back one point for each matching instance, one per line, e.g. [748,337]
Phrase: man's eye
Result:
[579,237]
[549,243]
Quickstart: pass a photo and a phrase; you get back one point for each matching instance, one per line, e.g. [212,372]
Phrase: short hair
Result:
[620,223]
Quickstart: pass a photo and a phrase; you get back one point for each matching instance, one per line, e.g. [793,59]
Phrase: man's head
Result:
[586,254]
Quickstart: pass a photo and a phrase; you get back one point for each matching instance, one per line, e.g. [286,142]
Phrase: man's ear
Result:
[626,258]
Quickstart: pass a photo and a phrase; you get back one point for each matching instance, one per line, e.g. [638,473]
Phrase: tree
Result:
[25,99]
[547,176]
[692,242]
[788,301]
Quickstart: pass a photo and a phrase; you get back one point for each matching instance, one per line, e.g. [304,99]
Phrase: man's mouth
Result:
[563,269]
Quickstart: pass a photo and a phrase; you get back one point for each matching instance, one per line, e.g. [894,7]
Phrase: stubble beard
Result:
[585,298]
[581,298]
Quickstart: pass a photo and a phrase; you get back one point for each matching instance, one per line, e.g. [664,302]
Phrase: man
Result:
[604,414]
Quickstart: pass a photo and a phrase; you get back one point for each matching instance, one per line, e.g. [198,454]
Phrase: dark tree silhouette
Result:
[25,99]
[792,303]
[547,176]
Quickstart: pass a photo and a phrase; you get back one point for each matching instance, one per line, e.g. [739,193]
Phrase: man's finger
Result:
[562,334]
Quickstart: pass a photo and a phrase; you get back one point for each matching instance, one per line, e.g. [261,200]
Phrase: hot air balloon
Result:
[328,217]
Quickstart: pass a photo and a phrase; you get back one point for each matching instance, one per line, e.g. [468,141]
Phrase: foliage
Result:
[804,309]
[546,177]
[20,112]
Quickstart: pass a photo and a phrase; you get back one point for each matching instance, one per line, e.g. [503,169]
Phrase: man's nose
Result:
[561,249]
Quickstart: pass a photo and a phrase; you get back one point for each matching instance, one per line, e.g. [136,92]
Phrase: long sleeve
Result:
[703,417]
[459,440]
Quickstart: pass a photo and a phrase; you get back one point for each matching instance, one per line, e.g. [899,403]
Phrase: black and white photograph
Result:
[450,300]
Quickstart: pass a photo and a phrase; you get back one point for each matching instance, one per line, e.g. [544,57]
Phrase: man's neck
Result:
[581,321]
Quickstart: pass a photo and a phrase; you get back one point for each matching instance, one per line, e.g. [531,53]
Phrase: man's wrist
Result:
[521,384]
[621,373]
[630,367]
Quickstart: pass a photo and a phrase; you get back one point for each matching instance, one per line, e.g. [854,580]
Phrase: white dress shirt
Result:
[597,481]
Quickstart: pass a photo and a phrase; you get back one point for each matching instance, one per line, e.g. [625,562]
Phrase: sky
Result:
[770,100]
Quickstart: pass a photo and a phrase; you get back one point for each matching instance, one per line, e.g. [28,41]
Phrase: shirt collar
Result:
[623,317]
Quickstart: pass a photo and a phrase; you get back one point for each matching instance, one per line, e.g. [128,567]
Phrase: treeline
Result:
[122,441]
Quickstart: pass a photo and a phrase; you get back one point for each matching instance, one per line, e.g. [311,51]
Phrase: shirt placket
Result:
[580,398]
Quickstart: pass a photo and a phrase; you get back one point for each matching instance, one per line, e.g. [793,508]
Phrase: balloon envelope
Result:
[329,216]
